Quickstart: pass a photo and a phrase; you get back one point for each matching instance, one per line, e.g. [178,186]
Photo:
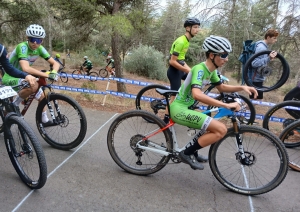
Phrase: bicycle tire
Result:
[63,77]
[285,72]
[280,114]
[123,134]
[267,156]
[241,115]
[25,152]
[93,76]
[103,73]
[72,127]
[77,72]
[290,137]
[155,102]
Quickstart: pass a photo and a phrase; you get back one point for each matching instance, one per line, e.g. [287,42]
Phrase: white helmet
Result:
[85,57]
[216,44]
[35,31]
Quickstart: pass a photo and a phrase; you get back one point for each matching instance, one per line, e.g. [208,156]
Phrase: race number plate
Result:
[6,92]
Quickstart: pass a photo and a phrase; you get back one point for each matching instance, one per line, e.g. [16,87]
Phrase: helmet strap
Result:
[213,62]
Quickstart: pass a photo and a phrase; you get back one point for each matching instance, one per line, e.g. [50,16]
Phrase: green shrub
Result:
[91,86]
[146,61]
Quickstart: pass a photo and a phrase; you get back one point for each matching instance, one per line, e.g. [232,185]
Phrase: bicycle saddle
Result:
[165,92]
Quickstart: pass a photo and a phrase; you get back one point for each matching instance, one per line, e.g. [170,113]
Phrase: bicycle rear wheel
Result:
[276,72]
[63,77]
[103,73]
[265,169]
[290,136]
[70,125]
[93,76]
[281,115]
[149,100]
[25,152]
[130,128]
[77,72]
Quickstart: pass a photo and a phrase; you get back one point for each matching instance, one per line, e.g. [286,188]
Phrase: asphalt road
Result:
[87,179]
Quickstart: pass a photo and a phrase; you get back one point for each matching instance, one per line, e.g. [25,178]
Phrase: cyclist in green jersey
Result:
[87,65]
[178,69]
[22,57]
[217,49]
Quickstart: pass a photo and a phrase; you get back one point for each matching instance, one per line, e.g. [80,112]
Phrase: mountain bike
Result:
[69,123]
[103,72]
[22,145]
[249,160]
[276,72]
[158,104]
[92,75]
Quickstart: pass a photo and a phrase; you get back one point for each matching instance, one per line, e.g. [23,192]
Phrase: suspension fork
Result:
[238,138]
[47,97]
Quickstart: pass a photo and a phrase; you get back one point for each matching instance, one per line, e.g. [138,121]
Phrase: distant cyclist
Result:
[110,65]
[87,65]
[56,58]
[22,57]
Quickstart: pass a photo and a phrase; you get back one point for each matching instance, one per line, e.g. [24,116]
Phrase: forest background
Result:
[144,30]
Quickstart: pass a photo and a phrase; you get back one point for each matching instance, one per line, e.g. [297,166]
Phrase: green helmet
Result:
[57,55]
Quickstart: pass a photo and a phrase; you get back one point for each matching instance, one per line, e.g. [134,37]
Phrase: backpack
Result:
[249,48]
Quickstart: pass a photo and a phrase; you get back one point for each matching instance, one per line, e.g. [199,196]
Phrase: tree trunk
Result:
[115,45]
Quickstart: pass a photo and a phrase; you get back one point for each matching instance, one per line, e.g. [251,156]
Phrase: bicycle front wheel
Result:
[69,126]
[103,73]
[290,136]
[265,165]
[276,72]
[149,100]
[93,76]
[63,77]
[76,73]
[127,131]
[25,152]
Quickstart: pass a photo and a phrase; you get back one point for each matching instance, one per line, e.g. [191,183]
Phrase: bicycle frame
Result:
[222,112]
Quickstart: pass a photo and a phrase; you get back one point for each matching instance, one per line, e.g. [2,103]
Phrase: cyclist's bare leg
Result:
[215,131]
[45,118]
[24,93]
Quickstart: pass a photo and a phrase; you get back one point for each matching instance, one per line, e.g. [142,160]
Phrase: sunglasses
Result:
[222,55]
[37,40]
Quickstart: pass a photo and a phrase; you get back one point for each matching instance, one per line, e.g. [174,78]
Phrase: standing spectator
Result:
[178,69]
[260,62]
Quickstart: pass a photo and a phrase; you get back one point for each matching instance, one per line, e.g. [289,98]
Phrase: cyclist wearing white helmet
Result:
[110,64]
[87,65]
[23,56]
[217,49]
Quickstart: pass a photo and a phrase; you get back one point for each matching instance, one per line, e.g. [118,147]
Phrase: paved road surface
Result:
[87,179]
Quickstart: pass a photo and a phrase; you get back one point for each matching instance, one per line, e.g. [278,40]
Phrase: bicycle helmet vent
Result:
[216,44]
[35,31]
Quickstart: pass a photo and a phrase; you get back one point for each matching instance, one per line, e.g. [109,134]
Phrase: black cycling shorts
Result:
[175,76]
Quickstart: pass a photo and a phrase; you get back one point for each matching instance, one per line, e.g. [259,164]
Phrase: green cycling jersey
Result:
[23,52]
[199,77]
[180,47]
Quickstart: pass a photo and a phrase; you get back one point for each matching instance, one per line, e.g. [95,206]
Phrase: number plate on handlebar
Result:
[6,92]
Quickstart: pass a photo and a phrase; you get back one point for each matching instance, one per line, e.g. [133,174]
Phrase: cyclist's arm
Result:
[9,69]
[173,62]
[233,88]
[54,64]
[262,59]
[27,68]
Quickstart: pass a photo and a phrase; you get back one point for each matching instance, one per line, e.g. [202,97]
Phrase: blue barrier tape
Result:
[133,96]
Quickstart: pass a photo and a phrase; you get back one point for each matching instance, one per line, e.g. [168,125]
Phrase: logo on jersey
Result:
[200,74]
[24,49]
